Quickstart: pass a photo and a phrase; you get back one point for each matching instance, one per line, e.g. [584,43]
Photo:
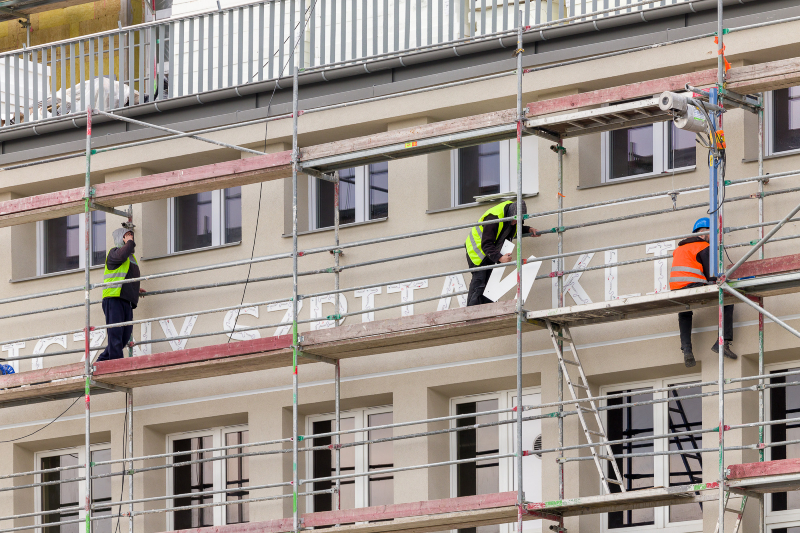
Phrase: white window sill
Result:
[193,251]
[684,170]
[473,204]
[777,155]
[342,226]
[54,274]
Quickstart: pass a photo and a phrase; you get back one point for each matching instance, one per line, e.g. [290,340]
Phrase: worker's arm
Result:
[703,258]
[490,246]
[117,256]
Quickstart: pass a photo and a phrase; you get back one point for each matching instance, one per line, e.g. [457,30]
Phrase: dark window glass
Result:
[101,491]
[682,151]
[381,487]
[193,221]
[637,472]
[347,199]
[60,496]
[237,475]
[233,214]
[98,237]
[631,152]
[685,415]
[324,466]
[378,190]
[62,239]
[478,171]
[785,404]
[481,477]
[786,123]
[187,479]
[787,530]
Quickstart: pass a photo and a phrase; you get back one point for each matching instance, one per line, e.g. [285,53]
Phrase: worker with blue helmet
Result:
[690,268]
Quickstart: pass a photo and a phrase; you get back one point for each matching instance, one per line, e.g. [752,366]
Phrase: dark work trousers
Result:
[116,310]
[478,284]
[685,322]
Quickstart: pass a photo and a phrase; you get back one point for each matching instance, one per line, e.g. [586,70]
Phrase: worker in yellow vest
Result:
[119,301]
[690,262]
[484,243]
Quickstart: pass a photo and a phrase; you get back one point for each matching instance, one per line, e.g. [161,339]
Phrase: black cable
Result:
[124,456]
[41,428]
[261,185]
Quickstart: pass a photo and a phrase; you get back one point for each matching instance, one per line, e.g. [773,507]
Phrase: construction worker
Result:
[484,243]
[690,262]
[119,301]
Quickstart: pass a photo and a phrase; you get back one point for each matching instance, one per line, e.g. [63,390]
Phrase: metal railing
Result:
[236,46]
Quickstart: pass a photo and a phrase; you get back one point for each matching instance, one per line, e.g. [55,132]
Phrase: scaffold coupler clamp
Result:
[721,280]
[674,196]
[335,252]
[558,528]
[558,148]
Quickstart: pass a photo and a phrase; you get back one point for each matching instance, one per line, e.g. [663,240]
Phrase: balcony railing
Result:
[251,43]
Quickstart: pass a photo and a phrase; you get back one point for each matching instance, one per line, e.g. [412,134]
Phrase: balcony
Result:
[199,57]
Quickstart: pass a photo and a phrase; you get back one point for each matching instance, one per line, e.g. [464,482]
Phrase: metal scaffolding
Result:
[327,169]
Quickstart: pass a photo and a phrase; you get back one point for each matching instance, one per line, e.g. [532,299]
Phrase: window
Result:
[680,414]
[491,168]
[60,243]
[784,403]
[230,476]
[67,498]
[490,476]
[782,133]
[646,150]
[363,195]
[205,219]
[363,491]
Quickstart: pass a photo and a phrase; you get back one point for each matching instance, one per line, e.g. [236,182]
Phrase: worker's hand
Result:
[533,233]
[506,258]
[142,292]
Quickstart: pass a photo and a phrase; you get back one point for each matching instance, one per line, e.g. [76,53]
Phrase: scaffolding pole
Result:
[761,253]
[87,367]
[520,221]
[295,337]
[337,376]
[129,398]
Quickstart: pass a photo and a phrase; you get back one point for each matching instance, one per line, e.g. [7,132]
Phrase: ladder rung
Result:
[598,433]
[614,481]
[570,362]
[584,387]
[586,409]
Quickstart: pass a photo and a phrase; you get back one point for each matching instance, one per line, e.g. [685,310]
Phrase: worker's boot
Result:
[726,350]
[688,356]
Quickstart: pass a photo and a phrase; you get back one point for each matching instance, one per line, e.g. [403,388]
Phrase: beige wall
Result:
[418,383]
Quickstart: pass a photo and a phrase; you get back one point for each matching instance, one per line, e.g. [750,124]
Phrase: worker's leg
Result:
[127,331]
[114,310]
[727,329]
[477,286]
[685,326]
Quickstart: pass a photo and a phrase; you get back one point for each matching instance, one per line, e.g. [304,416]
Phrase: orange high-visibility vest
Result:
[686,269]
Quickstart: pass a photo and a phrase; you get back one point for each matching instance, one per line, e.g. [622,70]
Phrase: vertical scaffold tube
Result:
[130,454]
[560,288]
[715,185]
[295,347]
[761,382]
[88,328]
[520,221]
[337,439]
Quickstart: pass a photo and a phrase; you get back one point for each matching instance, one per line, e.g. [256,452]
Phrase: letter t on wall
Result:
[367,302]
[406,291]
[660,271]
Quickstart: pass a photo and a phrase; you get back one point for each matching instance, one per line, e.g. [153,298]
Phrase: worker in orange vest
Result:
[690,262]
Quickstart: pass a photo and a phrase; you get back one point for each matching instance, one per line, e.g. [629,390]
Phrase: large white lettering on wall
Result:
[572,284]
[406,291]
[96,339]
[315,308]
[497,286]
[42,345]
[453,284]
[168,328]
[143,349]
[612,277]
[367,301]
[230,323]
[13,351]
[660,270]
[287,318]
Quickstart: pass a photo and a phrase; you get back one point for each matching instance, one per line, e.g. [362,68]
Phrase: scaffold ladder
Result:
[597,437]
[739,513]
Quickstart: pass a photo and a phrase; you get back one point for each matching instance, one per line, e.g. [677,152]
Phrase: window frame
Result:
[506,399]
[661,131]
[40,244]
[217,224]
[790,517]
[508,174]
[81,451]
[362,199]
[361,416]
[219,466]
[769,126]
[661,462]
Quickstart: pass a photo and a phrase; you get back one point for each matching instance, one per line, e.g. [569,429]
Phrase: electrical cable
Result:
[44,426]
[261,184]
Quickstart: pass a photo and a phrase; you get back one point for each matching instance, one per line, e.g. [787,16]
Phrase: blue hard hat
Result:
[702,223]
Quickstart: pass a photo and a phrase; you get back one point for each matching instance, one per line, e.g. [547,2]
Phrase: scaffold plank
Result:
[765,477]
[769,76]
[771,266]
